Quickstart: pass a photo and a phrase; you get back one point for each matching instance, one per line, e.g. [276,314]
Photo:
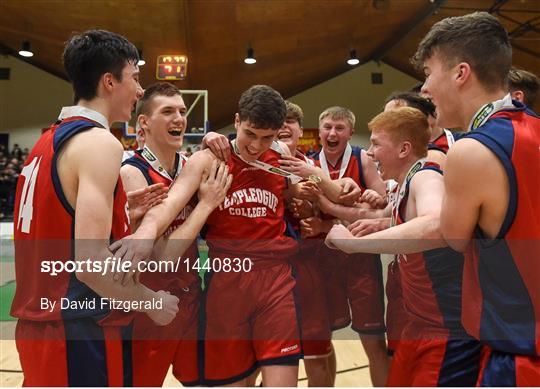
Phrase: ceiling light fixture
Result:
[141,59]
[353,60]
[25,50]
[250,59]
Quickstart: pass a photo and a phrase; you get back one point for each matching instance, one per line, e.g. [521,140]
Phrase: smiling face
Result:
[384,151]
[251,141]
[335,134]
[441,88]
[165,124]
[290,133]
[126,93]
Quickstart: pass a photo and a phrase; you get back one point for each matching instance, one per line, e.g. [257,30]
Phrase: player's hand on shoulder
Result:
[218,144]
[168,311]
[215,184]
[297,166]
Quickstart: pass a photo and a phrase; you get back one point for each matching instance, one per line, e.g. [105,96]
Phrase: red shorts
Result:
[249,320]
[311,298]
[504,369]
[435,362]
[354,288]
[155,348]
[75,352]
[396,315]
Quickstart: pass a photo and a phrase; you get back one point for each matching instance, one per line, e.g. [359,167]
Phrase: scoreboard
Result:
[171,67]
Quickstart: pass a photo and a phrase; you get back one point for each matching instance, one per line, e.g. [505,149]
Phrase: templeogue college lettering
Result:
[250,196]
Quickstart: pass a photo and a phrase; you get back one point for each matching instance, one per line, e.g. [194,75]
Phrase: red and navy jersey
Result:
[501,304]
[443,142]
[431,283]
[167,280]
[44,224]
[250,221]
[353,170]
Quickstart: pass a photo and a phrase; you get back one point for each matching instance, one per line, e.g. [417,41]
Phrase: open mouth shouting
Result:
[176,132]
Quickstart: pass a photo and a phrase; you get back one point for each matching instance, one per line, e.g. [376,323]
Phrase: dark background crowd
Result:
[11,163]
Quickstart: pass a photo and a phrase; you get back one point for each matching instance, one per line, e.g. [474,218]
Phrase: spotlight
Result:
[353,60]
[141,59]
[250,59]
[25,50]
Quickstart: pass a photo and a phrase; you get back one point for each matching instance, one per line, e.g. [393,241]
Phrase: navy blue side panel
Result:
[500,370]
[445,270]
[290,231]
[432,146]
[357,152]
[141,165]
[127,336]
[64,132]
[86,353]
[458,135]
[498,136]
[461,363]
[508,319]
[67,129]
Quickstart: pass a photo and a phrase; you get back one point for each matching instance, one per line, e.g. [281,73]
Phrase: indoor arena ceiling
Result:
[297,43]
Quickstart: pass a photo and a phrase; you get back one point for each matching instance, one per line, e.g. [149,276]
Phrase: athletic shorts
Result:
[311,297]
[155,348]
[248,320]
[435,362]
[76,352]
[355,290]
[396,315]
[504,369]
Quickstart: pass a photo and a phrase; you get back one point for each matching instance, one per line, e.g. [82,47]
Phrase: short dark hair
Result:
[414,100]
[89,55]
[527,82]
[156,89]
[294,112]
[263,107]
[478,39]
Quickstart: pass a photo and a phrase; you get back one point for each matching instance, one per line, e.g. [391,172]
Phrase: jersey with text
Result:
[250,221]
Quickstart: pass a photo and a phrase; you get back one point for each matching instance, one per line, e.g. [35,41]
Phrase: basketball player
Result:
[161,114]
[433,349]
[492,187]
[523,86]
[354,285]
[69,203]
[249,318]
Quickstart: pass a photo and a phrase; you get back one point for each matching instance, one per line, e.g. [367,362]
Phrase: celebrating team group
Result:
[297,239]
